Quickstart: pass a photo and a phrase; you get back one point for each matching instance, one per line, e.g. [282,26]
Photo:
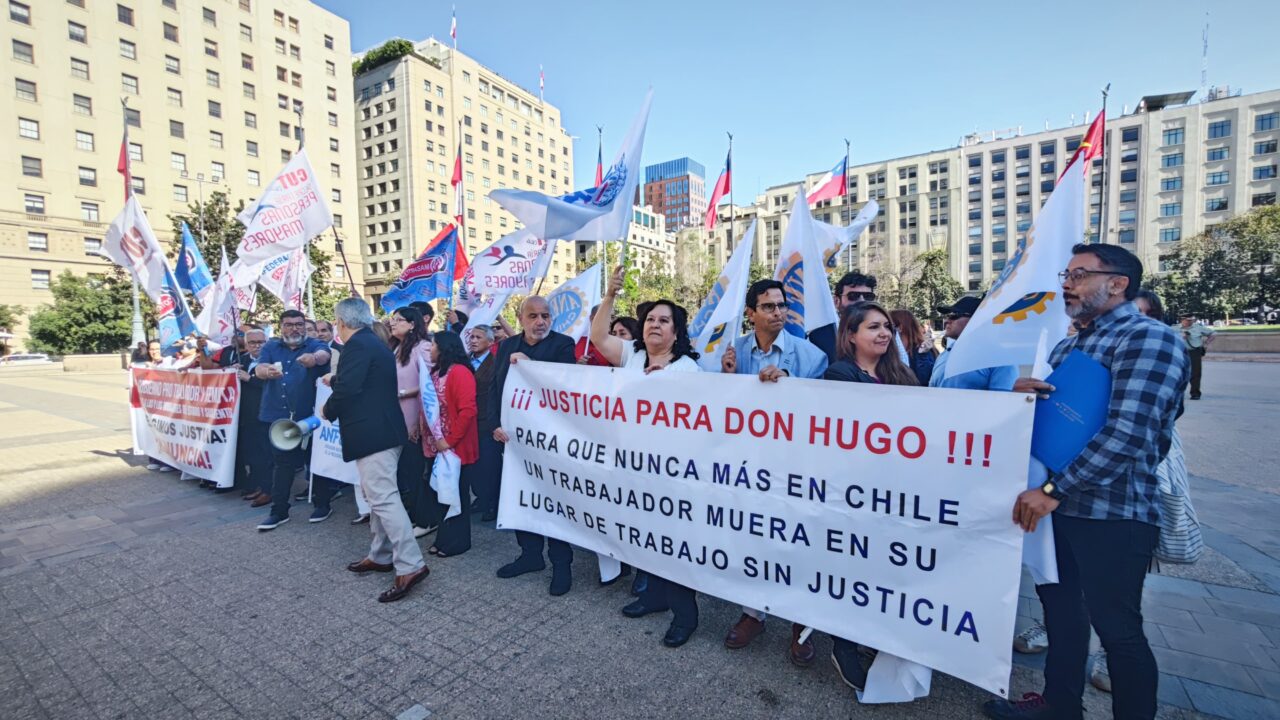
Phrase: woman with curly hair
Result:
[664,344]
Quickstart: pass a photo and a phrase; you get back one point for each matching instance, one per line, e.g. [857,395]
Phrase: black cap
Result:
[966,305]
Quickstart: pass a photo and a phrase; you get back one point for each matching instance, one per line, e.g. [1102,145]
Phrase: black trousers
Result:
[682,600]
[531,547]
[454,536]
[253,456]
[1197,362]
[487,473]
[411,481]
[1102,565]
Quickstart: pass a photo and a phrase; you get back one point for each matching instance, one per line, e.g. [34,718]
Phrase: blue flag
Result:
[173,317]
[190,271]
[430,277]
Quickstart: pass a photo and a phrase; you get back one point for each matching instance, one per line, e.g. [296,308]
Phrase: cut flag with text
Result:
[290,212]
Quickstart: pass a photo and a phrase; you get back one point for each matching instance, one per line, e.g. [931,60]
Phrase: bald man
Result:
[536,341]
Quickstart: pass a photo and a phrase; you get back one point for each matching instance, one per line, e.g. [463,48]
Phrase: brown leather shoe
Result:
[262,499]
[366,565]
[253,495]
[403,584]
[802,653]
[743,632]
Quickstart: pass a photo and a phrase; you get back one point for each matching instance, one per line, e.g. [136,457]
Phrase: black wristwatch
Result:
[1051,489]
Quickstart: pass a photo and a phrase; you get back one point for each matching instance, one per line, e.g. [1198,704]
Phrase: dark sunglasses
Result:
[856,296]
[956,316]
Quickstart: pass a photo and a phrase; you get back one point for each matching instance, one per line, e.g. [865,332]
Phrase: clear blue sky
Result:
[792,80]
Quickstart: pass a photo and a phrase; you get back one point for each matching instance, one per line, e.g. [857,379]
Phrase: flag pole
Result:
[731,210]
[138,331]
[337,243]
[848,250]
[1102,209]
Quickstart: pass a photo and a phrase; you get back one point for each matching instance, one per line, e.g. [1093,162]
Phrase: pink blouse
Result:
[407,379]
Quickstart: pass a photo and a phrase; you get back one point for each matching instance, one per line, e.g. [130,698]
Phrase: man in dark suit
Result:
[365,404]
[487,479]
[537,341]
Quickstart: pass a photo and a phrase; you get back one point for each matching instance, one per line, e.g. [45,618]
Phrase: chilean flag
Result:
[456,181]
[831,185]
[1091,146]
[600,163]
[722,189]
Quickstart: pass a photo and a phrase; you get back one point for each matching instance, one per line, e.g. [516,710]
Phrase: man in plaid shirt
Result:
[1106,514]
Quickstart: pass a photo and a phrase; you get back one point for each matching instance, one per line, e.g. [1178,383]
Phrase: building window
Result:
[218,171]
[1215,204]
[330,68]
[1128,217]
[210,17]
[1170,234]
[92,246]
[215,109]
[212,78]
[246,33]
[1219,129]
[246,61]
[333,144]
[215,139]
[333,119]
[1046,186]
[39,279]
[284,129]
[1172,209]
[1267,121]
[1171,183]
[1218,178]
[295,52]
[328,42]
[1127,235]
[1128,176]
[88,176]
[250,91]
[335,170]
[177,129]
[29,129]
[128,50]
[26,89]
[1171,160]
[251,148]
[135,152]
[1266,147]
[254,178]
[19,12]
[211,48]
[84,140]
[124,14]
[1264,172]
[1174,136]
[23,52]
[178,161]
[170,32]
[180,193]
[173,96]
[77,32]
[133,117]
[1264,199]
[32,167]
[250,120]
[1129,134]
[1221,153]
[34,204]
[331,93]
[172,65]
[129,84]
[89,211]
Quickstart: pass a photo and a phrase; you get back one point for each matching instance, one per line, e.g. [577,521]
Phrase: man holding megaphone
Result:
[364,402]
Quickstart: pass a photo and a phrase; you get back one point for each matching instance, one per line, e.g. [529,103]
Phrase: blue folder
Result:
[1074,412]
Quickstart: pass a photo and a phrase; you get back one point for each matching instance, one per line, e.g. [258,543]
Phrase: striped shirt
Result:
[1114,477]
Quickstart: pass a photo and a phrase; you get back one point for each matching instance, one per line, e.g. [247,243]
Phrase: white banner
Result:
[878,514]
[190,419]
[326,445]
[291,211]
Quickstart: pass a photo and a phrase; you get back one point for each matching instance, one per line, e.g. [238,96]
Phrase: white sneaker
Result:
[1099,674]
[1033,640]
[419,532]
[154,466]
[164,469]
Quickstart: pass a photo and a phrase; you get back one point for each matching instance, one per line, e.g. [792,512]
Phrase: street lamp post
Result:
[200,181]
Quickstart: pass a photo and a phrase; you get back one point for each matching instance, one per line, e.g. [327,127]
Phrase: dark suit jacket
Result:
[364,399]
[555,347]
[484,386]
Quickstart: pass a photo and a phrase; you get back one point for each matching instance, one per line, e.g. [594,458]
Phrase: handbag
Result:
[1180,539]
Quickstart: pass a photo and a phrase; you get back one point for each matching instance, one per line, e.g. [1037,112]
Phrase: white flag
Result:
[219,318]
[296,275]
[833,240]
[717,322]
[803,271]
[485,311]
[597,213]
[132,244]
[1027,297]
[511,264]
[571,303]
[291,211]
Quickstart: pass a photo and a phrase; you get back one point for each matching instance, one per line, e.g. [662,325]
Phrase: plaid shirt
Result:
[1114,478]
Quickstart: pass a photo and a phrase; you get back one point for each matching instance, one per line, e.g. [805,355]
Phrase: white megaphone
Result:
[286,434]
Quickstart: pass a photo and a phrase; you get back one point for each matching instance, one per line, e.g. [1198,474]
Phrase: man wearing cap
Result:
[992,378]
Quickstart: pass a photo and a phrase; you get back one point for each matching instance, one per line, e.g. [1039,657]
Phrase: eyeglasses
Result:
[856,296]
[770,308]
[1080,274]
[294,325]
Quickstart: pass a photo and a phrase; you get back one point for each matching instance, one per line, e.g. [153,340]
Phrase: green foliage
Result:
[9,315]
[1227,271]
[386,52]
[933,285]
[90,314]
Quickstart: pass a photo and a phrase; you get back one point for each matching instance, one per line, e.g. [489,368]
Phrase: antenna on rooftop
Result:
[1204,60]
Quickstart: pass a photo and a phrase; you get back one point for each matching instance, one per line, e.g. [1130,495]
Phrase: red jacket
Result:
[594,356]
[458,405]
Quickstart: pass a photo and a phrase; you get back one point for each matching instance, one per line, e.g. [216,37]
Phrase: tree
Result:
[1255,240]
[89,314]
[9,315]
[222,231]
[932,285]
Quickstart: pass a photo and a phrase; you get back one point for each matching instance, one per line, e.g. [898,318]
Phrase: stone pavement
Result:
[130,594]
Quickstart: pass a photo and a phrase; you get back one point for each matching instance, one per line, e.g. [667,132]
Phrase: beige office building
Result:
[1175,168]
[409,113]
[214,88]
[650,248]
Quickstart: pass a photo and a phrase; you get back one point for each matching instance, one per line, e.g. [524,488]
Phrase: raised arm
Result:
[609,346]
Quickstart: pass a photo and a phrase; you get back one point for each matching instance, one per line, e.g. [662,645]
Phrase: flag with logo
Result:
[719,320]
[219,317]
[297,272]
[802,270]
[1026,298]
[597,213]
[291,211]
[132,244]
[510,264]
[428,278]
[191,270]
[833,240]
[571,303]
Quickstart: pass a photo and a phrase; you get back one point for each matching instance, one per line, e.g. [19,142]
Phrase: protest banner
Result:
[326,445]
[878,514]
[190,419]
